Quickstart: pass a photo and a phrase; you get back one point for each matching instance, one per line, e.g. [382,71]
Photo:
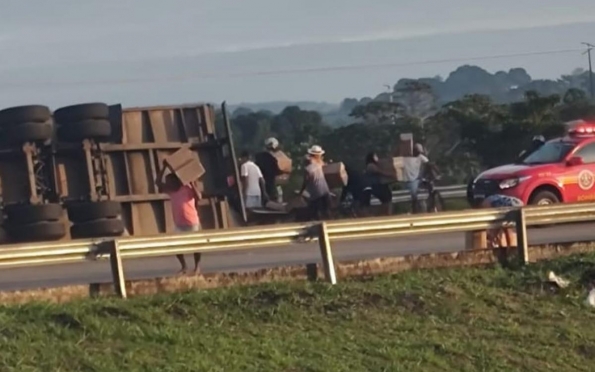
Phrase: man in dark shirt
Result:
[536,143]
[269,167]
[355,186]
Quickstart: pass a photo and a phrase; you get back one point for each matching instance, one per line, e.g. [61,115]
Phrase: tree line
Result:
[463,136]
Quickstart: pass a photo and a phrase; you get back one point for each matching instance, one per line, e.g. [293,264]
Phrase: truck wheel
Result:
[85,111]
[85,212]
[25,114]
[544,198]
[29,132]
[4,238]
[86,129]
[97,228]
[39,231]
[23,214]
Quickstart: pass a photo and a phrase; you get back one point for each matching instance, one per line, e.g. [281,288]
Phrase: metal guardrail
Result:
[279,235]
[447,192]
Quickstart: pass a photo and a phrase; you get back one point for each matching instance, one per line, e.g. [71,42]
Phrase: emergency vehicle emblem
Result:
[586,180]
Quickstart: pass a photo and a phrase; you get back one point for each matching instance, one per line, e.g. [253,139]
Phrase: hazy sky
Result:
[148,52]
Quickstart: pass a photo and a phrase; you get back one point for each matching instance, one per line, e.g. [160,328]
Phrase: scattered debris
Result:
[560,282]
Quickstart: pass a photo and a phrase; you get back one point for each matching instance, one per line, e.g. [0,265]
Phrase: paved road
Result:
[52,276]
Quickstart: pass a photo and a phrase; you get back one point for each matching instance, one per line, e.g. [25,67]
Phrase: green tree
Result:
[378,112]
[417,99]
[297,129]
[576,105]
[250,130]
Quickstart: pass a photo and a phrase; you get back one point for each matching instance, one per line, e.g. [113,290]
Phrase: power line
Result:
[307,70]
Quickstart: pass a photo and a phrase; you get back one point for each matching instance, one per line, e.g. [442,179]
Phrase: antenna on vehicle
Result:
[588,52]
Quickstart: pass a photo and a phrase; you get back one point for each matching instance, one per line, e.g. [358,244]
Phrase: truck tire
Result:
[544,198]
[29,132]
[86,129]
[25,114]
[85,111]
[4,238]
[88,211]
[97,228]
[39,231]
[23,214]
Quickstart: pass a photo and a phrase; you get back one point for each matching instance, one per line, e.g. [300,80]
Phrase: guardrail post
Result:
[117,268]
[521,236]
[327,254]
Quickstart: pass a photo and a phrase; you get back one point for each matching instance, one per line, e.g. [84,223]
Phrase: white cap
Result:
[315,150]
[419,147]
[271,143]
[539,138]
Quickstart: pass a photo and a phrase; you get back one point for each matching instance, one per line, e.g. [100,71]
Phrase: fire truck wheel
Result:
[39,231]
[97,228]
[23,214]
[88,211]
[85,111]
[25,114]
[86,129]
[29,132]
[544,198]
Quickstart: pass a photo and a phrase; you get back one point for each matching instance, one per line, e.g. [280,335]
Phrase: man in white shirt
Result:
[252,181]
[412,169]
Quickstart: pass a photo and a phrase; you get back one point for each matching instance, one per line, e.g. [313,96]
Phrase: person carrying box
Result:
[375,186]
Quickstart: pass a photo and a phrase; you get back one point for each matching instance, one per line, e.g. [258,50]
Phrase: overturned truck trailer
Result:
[89,170]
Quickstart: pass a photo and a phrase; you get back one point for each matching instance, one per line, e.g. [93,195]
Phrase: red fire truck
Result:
[560,171]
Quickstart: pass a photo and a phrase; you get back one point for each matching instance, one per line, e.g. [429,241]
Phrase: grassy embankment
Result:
[487,319]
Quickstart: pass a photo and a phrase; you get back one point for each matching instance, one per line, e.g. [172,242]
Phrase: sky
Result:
[146,52]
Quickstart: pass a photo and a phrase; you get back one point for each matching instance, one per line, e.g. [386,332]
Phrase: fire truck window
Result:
[587,153]
[551,152]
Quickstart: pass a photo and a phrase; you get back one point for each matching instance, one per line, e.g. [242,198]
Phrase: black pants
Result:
[381,192]
[319,208]
[271,189]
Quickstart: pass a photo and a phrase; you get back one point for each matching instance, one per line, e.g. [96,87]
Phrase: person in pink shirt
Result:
[183,200]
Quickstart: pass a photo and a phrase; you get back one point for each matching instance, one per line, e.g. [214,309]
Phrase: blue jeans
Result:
[413,187]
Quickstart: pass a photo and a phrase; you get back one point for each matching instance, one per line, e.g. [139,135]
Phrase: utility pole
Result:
[390,99]
[390,92]
[588,52]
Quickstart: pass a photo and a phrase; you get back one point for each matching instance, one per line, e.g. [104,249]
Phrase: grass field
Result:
[480,319]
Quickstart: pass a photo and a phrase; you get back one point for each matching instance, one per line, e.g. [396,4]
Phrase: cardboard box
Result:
[335,175]
[395,166]
[283,161]
[274,206]
[185,165]
[405,145]
[296,202]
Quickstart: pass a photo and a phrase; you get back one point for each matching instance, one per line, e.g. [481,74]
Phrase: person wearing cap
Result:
[316,186]
[536,143]
[412,169]
[267,163]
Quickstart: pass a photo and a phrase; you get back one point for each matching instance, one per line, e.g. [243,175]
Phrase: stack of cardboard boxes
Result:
[335,175]
[396,165]
[185,164]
